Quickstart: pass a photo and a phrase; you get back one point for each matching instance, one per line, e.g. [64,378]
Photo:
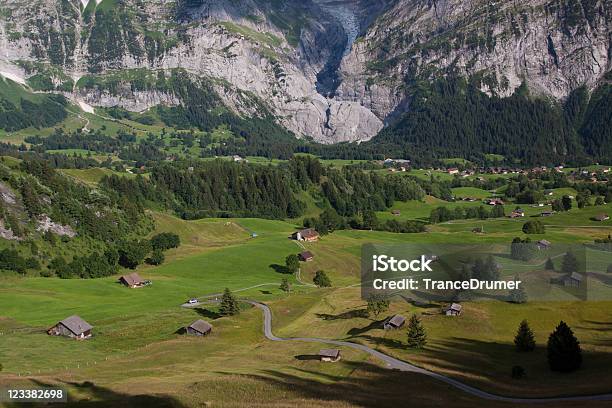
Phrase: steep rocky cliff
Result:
[331,70]
[554,46]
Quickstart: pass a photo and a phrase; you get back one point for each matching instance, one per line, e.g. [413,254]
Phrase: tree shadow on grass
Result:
[351,314]
[105,397]
[356,331]
[280,269]
[307,357]
[382,341]
[207,313]
[367,385]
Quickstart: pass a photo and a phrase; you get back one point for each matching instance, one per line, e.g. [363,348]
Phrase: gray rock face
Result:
[552,46]
[332,70]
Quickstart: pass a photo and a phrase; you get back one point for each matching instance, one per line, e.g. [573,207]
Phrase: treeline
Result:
[349,197]
[443,214]
[214,189]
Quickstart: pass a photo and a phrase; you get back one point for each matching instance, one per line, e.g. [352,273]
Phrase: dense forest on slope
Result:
[226,189]
[454,119]
[47,111]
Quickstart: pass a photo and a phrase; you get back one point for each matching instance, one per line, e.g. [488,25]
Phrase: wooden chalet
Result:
[308,235]
[454,309]
[306,256]
[543,244]
[133,280]
[199,328]
[394,322]
[329,355]
[73,327]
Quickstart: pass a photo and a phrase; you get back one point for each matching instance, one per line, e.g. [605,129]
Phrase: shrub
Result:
[322,280]
[156,258]
[165,241]
[534,227]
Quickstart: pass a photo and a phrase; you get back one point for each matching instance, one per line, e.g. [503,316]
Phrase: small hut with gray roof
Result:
[394,322]
[199,328]
[73,327]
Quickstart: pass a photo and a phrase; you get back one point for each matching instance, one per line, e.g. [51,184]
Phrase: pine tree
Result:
[564,353]
[229,305]
[322,280]
[284,286]
[524,339]
[417,337]
[570,263]
[550,266]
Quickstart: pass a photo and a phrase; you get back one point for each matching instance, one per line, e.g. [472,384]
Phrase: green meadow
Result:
[137,348]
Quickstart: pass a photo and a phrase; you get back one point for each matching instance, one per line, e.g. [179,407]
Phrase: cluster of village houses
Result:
[395,165]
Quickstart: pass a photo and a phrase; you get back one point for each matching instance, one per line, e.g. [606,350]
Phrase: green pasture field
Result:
[136,349]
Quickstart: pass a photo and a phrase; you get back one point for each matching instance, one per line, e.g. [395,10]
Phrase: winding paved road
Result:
[394,363]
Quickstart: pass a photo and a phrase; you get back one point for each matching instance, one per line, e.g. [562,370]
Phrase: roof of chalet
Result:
[454,306]
[306,255]
[333,353]
[132,279]
[396,320]
[76,325]
[201,326]
[309,233]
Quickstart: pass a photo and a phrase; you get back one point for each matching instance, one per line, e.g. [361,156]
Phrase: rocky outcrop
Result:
[45,224]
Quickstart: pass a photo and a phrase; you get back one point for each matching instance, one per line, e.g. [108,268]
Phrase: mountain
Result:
[329,70]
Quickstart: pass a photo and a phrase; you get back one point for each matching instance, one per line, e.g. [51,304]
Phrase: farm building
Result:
[73,327]
[495,201]
[453,309]
[394,322]
[308,235]
[572,280]
[543,244]
[133,280]
[547,214]
[396,213]
[517,213]
[199,328]
[602,217]
[306,256]
[329,355]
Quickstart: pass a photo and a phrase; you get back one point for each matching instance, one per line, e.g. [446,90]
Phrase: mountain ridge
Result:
[296,58]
